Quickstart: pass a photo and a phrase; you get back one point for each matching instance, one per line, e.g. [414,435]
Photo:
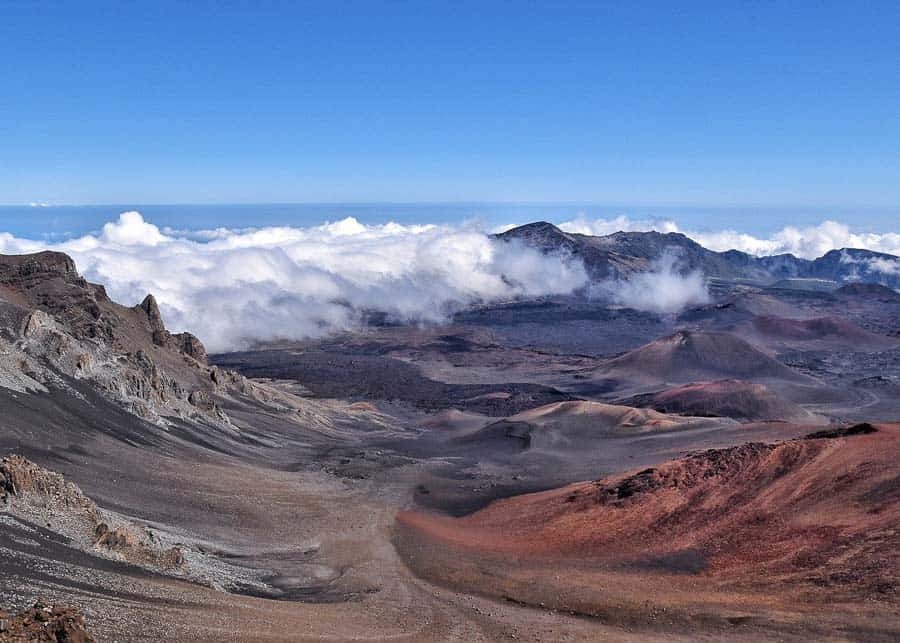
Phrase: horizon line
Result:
[38,205]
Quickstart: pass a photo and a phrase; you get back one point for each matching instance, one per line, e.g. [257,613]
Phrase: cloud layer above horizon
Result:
[235,287]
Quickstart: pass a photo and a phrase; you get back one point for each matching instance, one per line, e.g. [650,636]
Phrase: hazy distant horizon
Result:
[57,221]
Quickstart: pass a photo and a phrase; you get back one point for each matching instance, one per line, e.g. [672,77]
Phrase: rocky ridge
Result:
[56,327]
[620,254]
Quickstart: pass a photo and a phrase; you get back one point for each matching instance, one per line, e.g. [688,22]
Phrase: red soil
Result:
[797,523]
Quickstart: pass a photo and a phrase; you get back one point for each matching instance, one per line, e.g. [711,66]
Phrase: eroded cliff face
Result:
[56,327]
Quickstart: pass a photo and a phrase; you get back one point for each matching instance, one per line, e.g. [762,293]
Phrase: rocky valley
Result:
[548,467]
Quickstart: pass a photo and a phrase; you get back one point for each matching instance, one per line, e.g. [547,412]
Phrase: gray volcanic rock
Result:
[154,317]
[31,492]
[56,325]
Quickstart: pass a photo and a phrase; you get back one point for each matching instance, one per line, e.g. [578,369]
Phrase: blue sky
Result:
[719,103]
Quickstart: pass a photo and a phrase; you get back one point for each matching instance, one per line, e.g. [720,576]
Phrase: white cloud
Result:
[599,227]
[232,287]
[887,266]
[809,243]
[132,230]
[883,265]
[662,289]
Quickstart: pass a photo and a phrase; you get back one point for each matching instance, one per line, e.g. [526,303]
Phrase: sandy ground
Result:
[279,516]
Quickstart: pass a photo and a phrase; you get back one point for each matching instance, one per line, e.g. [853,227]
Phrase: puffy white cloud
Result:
[887,266]
[662,289]
[233,287]
[132,230]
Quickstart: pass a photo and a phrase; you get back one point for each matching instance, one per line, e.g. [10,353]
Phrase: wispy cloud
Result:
[664,288]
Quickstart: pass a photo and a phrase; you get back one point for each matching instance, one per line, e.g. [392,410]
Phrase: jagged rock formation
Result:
[183,342]
[22,481]
[54,325]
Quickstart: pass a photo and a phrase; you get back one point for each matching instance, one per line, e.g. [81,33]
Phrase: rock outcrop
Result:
[154,317]
[25,484]
[185,343]
[46,497]
[44,622]
[55,326]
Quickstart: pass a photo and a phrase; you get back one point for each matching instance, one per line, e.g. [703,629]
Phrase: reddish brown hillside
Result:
[758,527]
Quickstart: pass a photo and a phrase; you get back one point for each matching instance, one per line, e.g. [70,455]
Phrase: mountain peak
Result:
[534,231]
[541,235]
[538,226]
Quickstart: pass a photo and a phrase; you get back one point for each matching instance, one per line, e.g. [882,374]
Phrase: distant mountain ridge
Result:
[622,253]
